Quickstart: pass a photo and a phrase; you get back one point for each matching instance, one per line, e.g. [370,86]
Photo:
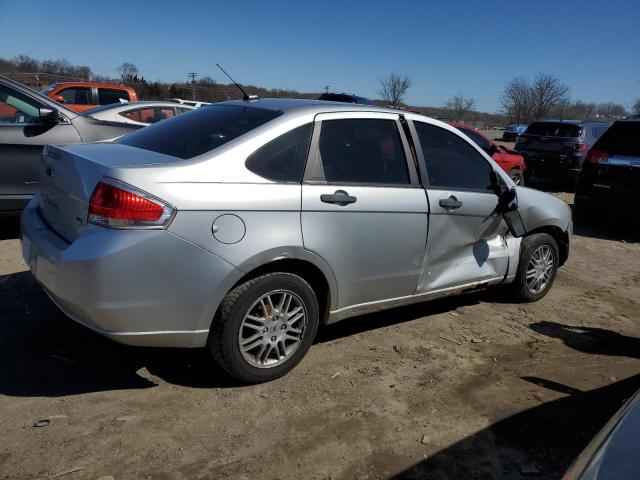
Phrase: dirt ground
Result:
[473,387]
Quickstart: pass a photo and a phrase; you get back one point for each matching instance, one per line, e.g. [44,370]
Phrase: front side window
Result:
[451,162]
[478,139]
[111,95]
[17,108]
[366,151]
[205,129]
[283,158]
[77,95]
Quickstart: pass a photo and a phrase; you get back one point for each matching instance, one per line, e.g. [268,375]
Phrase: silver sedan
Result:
[245,225]
[137,113]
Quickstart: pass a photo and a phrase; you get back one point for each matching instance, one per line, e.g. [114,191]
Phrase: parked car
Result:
[610,178]
[138,113]
[509,160]
[344,98]
[512,132]
[613,452]
[28,121]
[81,96]
[245,224]
[190,103]
[555,149]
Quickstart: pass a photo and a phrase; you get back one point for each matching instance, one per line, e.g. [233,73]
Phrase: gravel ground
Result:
[470,387]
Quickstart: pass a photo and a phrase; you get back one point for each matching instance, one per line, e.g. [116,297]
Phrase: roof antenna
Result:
[245,95]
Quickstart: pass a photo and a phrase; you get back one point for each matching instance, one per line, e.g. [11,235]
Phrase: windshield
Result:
[203,130]
[554,129]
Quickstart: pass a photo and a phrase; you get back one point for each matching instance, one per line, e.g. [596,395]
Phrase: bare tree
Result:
[524,101]
[636,107]
[394,87]
[460,106]
[516,100]
[547,93]
[128,71]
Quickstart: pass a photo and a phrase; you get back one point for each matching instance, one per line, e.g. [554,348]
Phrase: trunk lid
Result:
[69,174]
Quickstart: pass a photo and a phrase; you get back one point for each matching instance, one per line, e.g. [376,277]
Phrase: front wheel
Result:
[537,267]
[265,327]
[517,176]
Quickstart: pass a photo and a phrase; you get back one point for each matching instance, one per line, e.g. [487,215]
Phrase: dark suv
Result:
[610,178]
[555,149]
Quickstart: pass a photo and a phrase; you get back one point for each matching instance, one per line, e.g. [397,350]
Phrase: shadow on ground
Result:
[44,353]
[541,442]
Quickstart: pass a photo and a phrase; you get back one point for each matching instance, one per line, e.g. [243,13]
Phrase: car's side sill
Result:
[371,307]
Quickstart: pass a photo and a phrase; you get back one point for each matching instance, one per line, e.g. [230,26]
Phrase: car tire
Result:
[517,177]
[257,309]
[538,252]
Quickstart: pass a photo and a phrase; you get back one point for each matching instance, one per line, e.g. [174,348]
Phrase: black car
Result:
[610,177]
[344,98]
[29,121]
[555,150]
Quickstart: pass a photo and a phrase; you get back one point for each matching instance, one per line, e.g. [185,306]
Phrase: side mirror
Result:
[48,115]
[58,98]
[514,221]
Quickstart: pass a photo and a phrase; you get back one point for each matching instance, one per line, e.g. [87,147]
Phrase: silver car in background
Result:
[141,113]
[244,225]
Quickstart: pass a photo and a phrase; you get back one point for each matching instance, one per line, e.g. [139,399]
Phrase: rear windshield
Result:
[204,129]
[622,138]
[554,129]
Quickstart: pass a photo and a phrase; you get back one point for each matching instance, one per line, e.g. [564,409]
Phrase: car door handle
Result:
[340,197]
[451,203]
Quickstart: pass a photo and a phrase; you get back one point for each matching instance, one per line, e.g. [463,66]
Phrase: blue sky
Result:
[472,47]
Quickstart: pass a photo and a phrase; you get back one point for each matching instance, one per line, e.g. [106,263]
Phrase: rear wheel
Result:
[537,267]
[517,176]
[265,327]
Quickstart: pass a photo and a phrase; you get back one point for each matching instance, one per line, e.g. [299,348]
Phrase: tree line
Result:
[522,101]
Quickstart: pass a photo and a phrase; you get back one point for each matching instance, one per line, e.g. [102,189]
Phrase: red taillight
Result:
[597,156]
[119,205]
[581,147]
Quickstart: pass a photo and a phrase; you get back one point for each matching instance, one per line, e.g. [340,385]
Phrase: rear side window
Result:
[598,131]
[451,161]
[622,138]
[365,151]
[111,95]
[554,129]
[149,115]
[283,158]
[203,130]
[77,96]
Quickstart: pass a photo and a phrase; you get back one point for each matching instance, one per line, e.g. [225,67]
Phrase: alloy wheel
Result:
[272,329]
[540,269]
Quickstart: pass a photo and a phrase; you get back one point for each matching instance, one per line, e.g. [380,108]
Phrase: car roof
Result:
[118,86]
[308,105]
[574,122]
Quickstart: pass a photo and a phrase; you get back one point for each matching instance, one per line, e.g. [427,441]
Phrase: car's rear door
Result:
[363,209]
[467,242]
[22,137]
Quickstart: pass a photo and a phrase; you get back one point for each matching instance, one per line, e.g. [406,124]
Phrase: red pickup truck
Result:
[81,96]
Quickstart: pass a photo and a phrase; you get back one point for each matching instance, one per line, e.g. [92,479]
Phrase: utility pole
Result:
[193,76]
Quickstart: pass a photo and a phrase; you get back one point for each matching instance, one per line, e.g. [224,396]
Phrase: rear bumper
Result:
[553,165]
[148,288]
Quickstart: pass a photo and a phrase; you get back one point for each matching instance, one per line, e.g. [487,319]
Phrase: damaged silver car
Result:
[244,225]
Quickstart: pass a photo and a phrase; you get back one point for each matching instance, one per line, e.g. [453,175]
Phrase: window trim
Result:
[314,171]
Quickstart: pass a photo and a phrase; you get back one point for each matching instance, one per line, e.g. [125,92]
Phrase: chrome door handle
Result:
[451,203]
[340,197]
